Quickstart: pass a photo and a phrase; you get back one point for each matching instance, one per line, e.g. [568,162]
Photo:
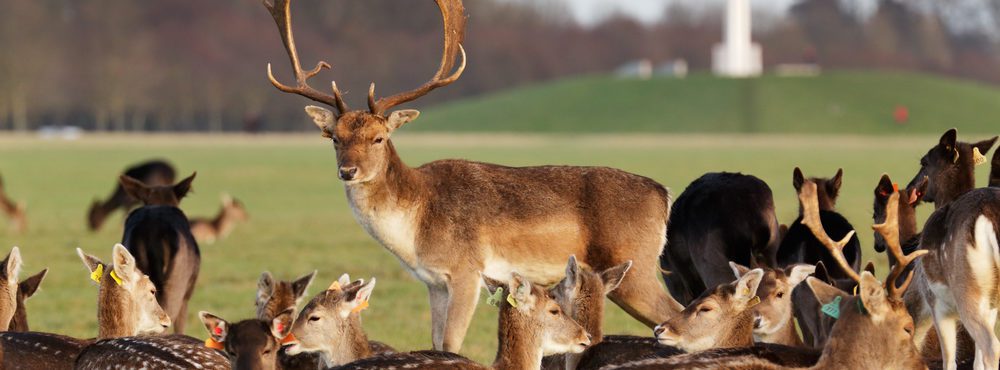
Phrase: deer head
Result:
[361,138]
[774,312]
[250,344]
[276,296]
[906,207]
[721,317]
[529,311]
[234,209]
[330,323]
[827,189]
[949,167]
[10,268]
[581,293]
[126,301]
[169,195]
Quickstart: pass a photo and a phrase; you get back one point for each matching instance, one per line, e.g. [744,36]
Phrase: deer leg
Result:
[981,326]
[643,297]
[945,325]
[439,313]
[463,296]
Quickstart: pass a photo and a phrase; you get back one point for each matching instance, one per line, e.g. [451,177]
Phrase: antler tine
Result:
[810,218]
[283,19]
[890,232]
[453,17]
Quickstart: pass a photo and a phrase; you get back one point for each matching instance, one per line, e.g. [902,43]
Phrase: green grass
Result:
[300,220]
[852,102]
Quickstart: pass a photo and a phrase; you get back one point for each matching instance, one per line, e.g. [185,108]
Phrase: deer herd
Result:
[548,244]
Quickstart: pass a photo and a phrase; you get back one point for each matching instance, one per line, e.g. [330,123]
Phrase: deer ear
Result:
[798,273]
[870,267]
[948,140]
[124,264]
[738,269]
[322,117]
[824,293]
[821,272]
[835,183]
[746,286]
[357,301]
[884,189]
[572,273]
[520,289]
[872,295]
[985,145]
[281,325]
[798,179]
[300,285]
[134,188]
[613,277]
[30,285]
[217,327]
[183,187]
[89,261]
[265,286]
[12,265]
[401,117]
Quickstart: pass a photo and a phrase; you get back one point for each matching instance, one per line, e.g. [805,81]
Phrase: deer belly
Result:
[537,250]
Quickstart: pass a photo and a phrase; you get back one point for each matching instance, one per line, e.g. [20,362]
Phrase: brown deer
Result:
[25,289]
[330,325]
[775,319]
[277,296]
[995,171]
[126,306]
[531,325]
[209,230]
[15,211]
[253,344]
[10,268]
[448,220]
[950,168]
[153,173]
[872,331]
[159,236]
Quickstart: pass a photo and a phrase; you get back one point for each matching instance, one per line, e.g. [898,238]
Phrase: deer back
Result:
[165,352]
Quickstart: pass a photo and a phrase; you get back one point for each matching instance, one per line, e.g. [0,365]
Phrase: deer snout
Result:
[758,322]
[347,173]
[665,335]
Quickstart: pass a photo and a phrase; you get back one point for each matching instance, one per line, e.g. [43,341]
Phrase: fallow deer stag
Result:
[872,330]
[159,236]
[152,173]
[448,220]
[950,168]
[720,217]
[208,230]
[15,211]
[126,306]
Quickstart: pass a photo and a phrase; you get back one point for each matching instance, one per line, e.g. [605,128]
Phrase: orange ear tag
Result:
[895,187]
[213,344]
[361,307]
[289,339]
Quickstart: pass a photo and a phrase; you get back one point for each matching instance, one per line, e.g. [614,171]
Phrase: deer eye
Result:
[314,318]
[704,309]
[378,140]
[554,311]
[335,141]
[781,294]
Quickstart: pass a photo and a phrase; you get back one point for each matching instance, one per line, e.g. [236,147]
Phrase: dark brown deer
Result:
[25,289]
[15,211]
[950,168]
[531,325]
[126,306]
[775,317]
[448,220]
[872,331]
[159,236]
[153,173]
[208,230]
[995,171]
[720,217]
[253,344]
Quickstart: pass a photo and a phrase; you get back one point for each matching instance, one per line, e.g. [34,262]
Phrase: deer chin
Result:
[668,338]
[293,349]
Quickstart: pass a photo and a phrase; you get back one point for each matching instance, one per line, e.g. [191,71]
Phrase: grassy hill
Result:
[853,102]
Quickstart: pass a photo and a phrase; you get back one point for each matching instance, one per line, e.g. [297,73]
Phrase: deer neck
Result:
[19,323]
[740,333]
[223,223]
[960,182]
[591,317]
[520,344]
[116,314]
[351,347]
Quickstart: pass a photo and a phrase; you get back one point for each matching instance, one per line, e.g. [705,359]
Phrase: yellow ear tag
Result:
[977,157]
[334,286]
[511,300]
[753,301]
[213,344]
[97,273]
[118,280]
[360,307]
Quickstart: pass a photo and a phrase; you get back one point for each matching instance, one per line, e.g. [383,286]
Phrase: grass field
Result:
[855,102]
[300,220]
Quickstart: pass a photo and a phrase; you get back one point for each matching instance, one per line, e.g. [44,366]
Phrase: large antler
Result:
[810,218]
[283,19]
[890,232]
[453,16]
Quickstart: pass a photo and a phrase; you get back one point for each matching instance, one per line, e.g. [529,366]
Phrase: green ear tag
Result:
[494,299]
[511,300]
[832,309]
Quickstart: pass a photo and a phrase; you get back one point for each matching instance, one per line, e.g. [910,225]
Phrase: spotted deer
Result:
[15,211]
[531,325]
[448,220]
[253,344]
[277,296]
[126,306]
[152,173]
[872,330]
[720,217]
[159,236]
[950,168]
[775,319]
[207,230]
[330,324]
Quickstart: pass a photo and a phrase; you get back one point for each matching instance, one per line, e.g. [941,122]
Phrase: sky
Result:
[591,11]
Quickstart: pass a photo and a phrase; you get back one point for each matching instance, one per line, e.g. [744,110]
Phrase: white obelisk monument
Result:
[737,55]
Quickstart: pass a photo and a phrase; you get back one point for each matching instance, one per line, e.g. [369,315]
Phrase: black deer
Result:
[995,171]
[950,168]
[152,173]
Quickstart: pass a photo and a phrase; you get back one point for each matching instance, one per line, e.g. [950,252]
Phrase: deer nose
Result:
[348,173]
[757,322]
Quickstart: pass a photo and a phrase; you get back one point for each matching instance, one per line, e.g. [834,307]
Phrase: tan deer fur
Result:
[775,320]
[15,211]
[25,289]
[209,230]
[10,268]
